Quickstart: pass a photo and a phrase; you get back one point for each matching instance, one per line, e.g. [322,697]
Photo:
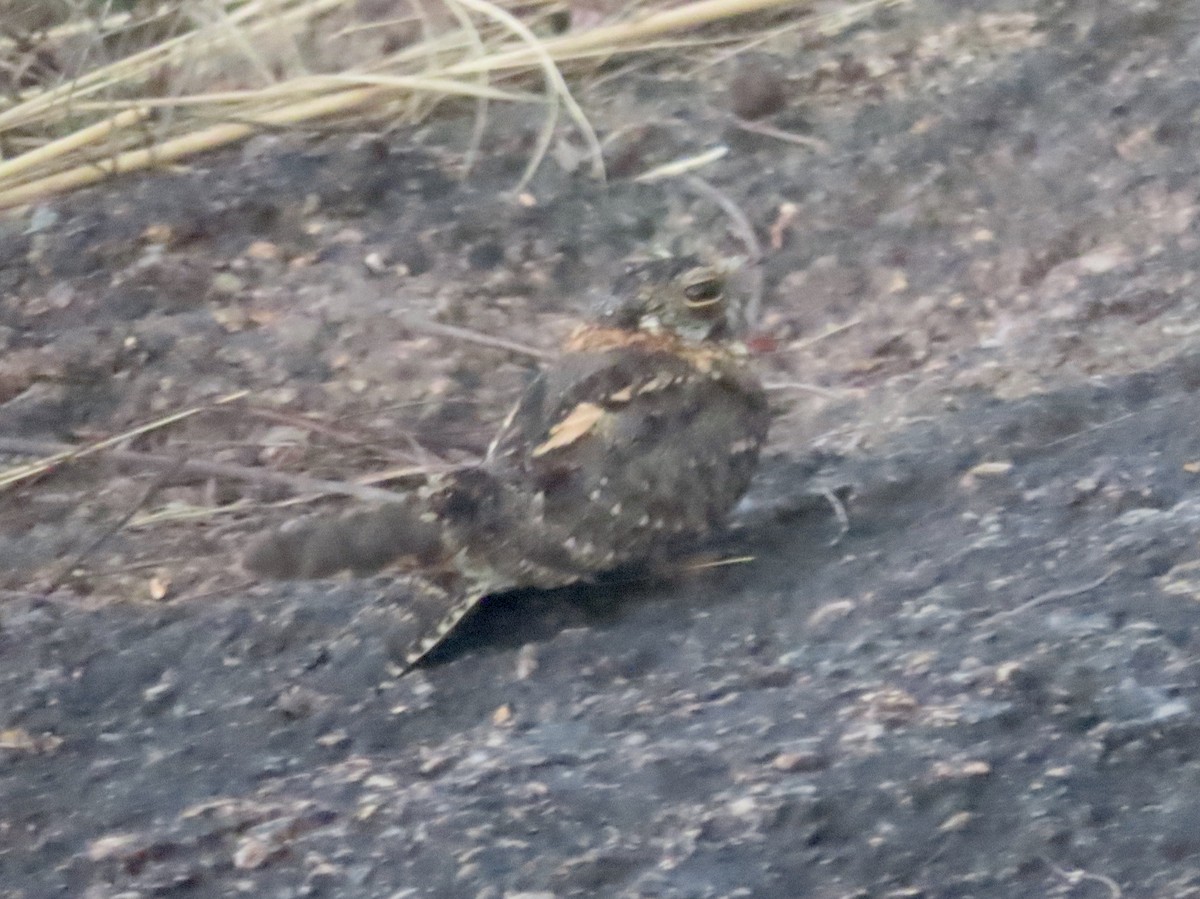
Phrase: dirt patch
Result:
[983,263]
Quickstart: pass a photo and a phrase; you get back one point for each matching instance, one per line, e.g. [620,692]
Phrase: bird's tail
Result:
[362,541]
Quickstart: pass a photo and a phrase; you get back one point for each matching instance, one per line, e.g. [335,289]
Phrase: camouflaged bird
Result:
[633,444]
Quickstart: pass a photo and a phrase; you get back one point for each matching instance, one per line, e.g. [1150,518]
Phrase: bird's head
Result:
[679,295]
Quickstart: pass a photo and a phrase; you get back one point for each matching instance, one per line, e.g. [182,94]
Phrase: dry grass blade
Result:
[478,49]
[556,87]
[210,45]
[455,332]
[50,105]
[190,144]
[64,455]
[294,482]
[800,140]
[306,489]
[719,563]
[72,143]
[677,167]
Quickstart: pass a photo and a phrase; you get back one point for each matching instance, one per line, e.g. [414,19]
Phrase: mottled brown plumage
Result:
[636,442]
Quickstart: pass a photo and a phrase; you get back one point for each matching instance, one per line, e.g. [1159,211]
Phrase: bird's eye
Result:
[704,290]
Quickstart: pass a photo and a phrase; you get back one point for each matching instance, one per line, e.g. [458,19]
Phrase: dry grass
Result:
[86,93]
[90,92]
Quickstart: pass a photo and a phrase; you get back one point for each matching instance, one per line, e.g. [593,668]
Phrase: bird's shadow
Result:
[509,620]
[757,553]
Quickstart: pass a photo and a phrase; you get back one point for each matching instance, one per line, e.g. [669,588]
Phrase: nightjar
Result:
[635,443]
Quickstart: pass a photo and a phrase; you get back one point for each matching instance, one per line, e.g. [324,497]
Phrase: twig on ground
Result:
[437,329]
[70,454]
[762,128]
[677,167]
[831,331]
[295,482]
[1049,596]
[840,513]
[1077,875]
